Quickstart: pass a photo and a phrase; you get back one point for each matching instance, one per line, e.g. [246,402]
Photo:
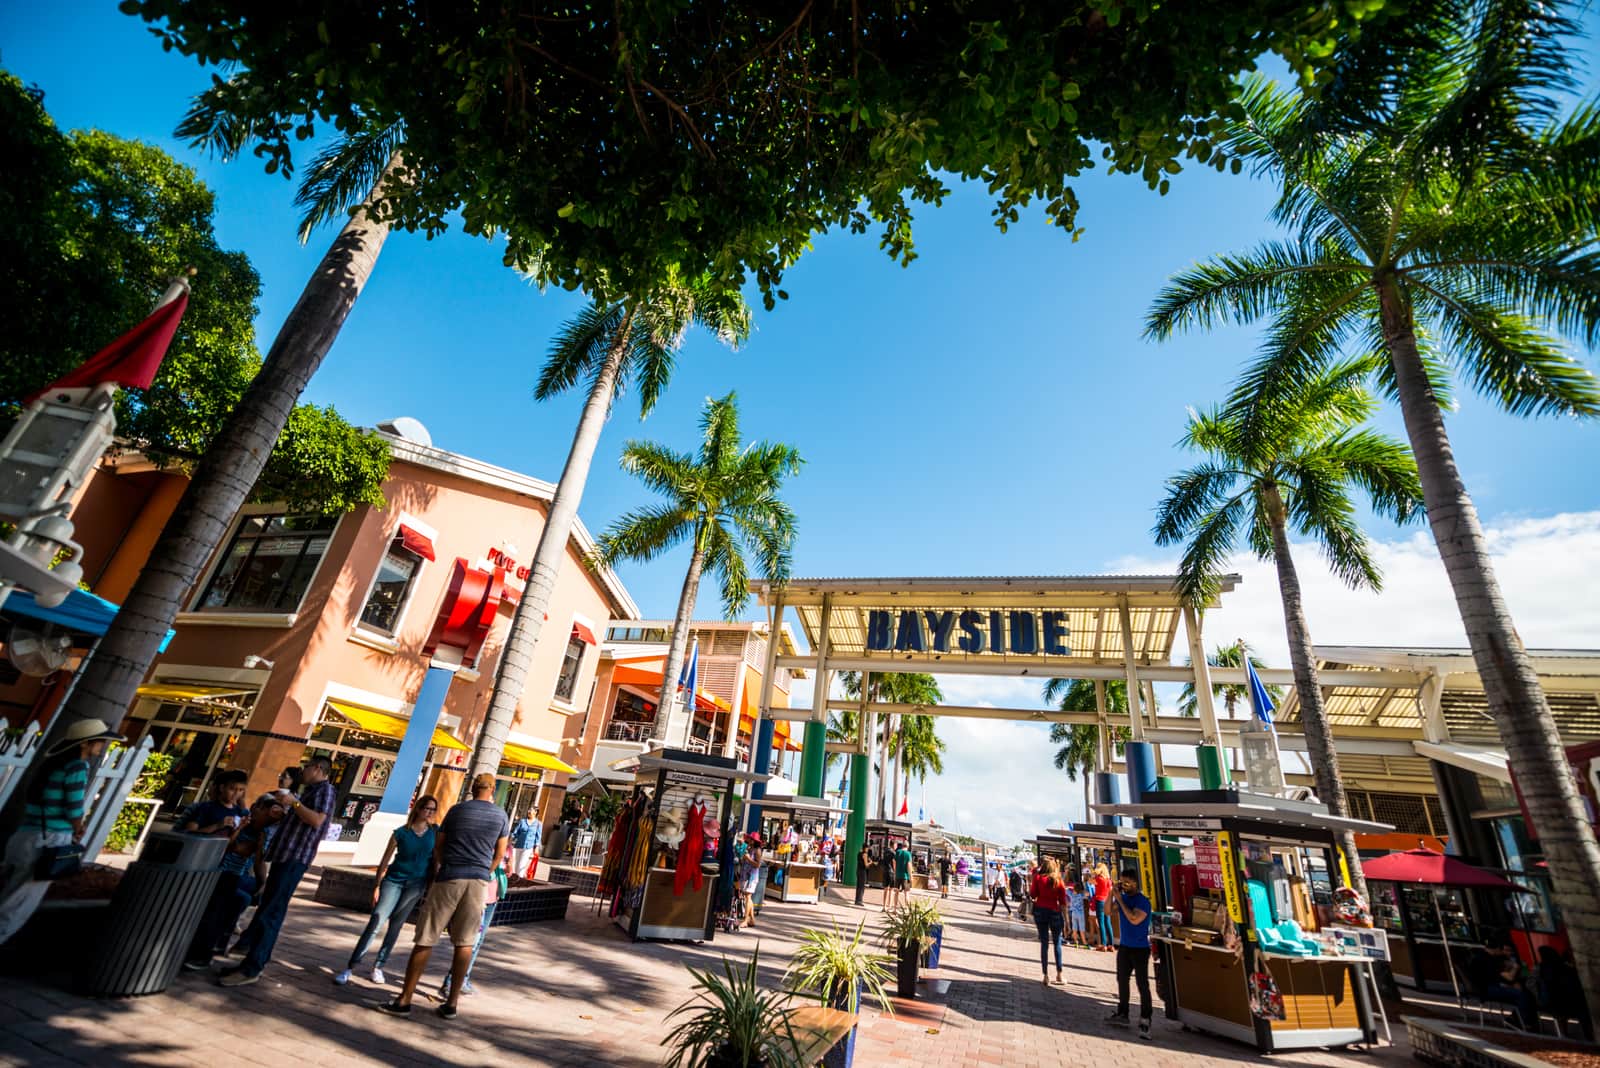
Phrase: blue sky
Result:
[992,409]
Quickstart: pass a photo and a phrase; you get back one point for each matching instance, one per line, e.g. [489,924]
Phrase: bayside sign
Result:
[1022,633]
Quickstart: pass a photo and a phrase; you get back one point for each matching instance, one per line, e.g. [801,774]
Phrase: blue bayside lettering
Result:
[909,638]
[878,629]
[1024,637]
[971,640]
[997,632]
[1055,634]
[939,626]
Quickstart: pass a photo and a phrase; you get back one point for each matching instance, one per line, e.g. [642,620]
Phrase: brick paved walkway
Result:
[579,993]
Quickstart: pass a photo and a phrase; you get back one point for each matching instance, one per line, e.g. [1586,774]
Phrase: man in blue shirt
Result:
[1133,950]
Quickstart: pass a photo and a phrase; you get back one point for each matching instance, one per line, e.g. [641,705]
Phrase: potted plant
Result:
[731,1022]
[908,929]
[840,970]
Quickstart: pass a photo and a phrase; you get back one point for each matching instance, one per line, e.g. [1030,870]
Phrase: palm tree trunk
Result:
[1313,717]
[1510,684]
[227,472]
[511,676]
[679,647]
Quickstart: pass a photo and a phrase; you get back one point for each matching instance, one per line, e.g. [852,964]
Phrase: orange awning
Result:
[651,680]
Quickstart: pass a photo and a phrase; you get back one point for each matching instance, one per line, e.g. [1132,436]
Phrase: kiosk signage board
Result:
[1230,876]
[1208,863]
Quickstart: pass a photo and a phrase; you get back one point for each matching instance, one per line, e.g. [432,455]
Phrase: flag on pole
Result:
[130,360]
[691,672]
[905,808]
[1260,701]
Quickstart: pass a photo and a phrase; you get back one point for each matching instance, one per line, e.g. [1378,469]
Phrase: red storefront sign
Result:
[1208,863]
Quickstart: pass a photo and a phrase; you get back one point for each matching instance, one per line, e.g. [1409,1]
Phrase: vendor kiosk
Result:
[670,849]
[793,828]
[1078,847]
[1410,917]
[1243,952]
[883,838]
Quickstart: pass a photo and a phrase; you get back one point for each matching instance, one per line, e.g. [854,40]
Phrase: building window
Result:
[396,575]
[268,564]
[567,681]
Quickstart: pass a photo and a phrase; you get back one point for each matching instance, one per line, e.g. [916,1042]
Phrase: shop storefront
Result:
[1079,847]
[336,635]
[1244,948]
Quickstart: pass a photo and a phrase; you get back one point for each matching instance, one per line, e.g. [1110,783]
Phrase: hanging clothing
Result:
[690,851]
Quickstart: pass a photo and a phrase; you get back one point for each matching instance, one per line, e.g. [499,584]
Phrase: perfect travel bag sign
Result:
[1023,633]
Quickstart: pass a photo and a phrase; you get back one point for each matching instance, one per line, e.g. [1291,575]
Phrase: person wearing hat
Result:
[53,816]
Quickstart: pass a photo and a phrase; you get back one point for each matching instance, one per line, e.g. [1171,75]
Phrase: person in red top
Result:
[1102,906]
[1049,896]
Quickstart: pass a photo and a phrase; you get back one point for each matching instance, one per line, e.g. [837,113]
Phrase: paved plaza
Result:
[579,993]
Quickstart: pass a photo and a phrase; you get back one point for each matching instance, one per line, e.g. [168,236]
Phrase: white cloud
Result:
[999,777]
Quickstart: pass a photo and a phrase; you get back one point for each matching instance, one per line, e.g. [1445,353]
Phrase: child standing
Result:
[1077,926]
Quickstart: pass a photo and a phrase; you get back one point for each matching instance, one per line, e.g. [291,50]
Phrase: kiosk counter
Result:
[794,828]
[662,871]
[1244,950]
[883,838]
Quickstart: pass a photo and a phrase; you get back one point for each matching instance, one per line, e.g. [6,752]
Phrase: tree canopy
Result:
[613,143]
[94,228]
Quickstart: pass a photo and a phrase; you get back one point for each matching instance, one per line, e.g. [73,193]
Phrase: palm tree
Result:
[921,750]
[345,180]
[725,503]
[609,346]
[1450,224]
[1291,459]
[906,688]
[1078,744]
[1228,656]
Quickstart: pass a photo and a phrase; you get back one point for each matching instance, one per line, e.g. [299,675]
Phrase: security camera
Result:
[254,661]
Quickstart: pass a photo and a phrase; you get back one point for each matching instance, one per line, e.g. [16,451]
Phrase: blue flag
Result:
[691,671]
[1260,701]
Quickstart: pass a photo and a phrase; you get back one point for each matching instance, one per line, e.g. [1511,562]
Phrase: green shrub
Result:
[131,820]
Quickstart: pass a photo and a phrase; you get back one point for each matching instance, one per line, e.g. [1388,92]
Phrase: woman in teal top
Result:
[402,875]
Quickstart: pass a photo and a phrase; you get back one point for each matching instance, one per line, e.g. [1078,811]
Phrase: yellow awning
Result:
[535,758]
[168,691]
[383,723]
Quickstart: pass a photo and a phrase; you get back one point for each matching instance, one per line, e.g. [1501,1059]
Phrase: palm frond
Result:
[645,533]
[1234,289]
[346,173]
[579,348]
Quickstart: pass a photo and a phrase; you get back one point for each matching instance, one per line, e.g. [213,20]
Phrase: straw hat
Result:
[83,730]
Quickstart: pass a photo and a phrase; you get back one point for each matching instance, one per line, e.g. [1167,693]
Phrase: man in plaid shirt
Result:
[293,848]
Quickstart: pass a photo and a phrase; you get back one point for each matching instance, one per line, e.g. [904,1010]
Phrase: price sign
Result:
[1208,862]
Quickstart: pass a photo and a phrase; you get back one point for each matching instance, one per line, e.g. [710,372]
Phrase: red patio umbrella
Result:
[1426,867]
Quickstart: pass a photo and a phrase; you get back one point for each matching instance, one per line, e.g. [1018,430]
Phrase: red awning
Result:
[416,541]
[1427,868]
[583,634]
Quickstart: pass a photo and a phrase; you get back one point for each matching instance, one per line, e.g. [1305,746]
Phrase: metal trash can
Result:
[153,916]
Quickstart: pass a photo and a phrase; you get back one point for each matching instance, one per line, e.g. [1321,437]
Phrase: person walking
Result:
[962,870]
[293,848]
[466,848]
[902,873]
[402,876]
[748,873]
[827,874]
[1133,951]
[1049,896]
[52,820]
[997,891]
[944,875]
[1076,928]
[863,866]
[1025,906]
[526,835]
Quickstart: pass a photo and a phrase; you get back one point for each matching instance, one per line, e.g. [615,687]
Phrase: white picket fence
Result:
[16,753]
[109,784]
